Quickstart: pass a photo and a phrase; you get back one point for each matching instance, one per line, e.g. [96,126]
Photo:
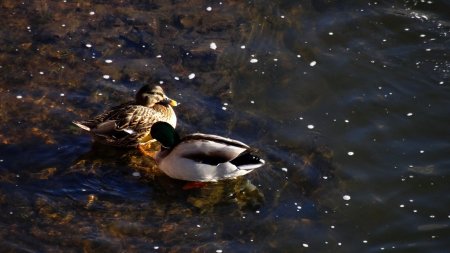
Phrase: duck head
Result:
[150,95]
[165,134]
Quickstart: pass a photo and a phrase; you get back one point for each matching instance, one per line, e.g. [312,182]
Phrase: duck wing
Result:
[209,149]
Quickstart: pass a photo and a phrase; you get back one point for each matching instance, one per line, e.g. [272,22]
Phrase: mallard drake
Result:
[129,124]
[202,157]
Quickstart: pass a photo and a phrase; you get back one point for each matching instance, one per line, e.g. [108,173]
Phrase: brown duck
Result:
[129,124]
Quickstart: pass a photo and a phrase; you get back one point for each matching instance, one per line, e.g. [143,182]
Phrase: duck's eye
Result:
[156,93]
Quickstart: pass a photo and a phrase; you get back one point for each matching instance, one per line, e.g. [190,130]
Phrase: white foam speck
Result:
[156,247]
[282,16]
[254,60]
[219,251]
[108,61]
[313,63]
[422,35]
[284,169]
[365,241]
[310,126]
[88,45]
[91,13]
[409,114]
[213,46]
[136,174]
[224,108]
[243,47]
[62,95]
[350,153]
[176,78]
[422,151]
[330,33]
[106,76]
[252,101]
[401,206]
[191,76]
[209,8]
[158,56]
[305,245]
[346,197]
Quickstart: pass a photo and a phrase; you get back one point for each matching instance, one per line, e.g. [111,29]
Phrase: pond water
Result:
[347,101]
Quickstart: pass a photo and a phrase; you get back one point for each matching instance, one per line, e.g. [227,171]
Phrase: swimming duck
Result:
[129,124]
[202,157]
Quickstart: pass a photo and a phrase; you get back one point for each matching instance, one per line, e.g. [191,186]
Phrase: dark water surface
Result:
[347,101]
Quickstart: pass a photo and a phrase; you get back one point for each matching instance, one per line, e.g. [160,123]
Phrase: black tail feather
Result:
[246,158]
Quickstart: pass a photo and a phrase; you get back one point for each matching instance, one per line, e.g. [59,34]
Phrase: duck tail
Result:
[80,125]
[247,161]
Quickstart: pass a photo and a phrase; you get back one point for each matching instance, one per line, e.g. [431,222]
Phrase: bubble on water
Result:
[428,49]
[209,8]
[213,46]
[88,45]
[176,78]
[313,63]
[243,47]
[61,95]
[191,76]
[305,245]
[299,56]
[409,114]
[41,72]
[219,251]
[108,61]
[422,35]
[198,225]
[254,60]
[106,77]
[224,108]
[282,16]
[158,56]
[364,241]
[330,33]
[421,151]
[402,206]
[346,197]
[432,216]
[156,247]
[310,126]
[136,174]
[350,153]
[19,97]
[252,101]
[91,13]
[284,169]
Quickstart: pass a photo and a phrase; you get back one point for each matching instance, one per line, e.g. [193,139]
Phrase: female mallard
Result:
[129,124]
[202,157]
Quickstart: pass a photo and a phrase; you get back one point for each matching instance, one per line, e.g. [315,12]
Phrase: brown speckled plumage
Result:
[129,124]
